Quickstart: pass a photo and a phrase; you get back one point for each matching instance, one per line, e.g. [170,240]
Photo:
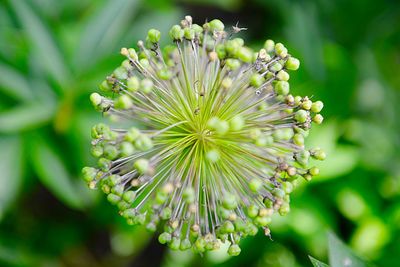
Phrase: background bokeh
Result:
[53,53]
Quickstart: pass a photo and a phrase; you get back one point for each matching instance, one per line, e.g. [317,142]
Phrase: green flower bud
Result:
[104,164]
[256,80]
[236,123]
[301,116]
[132,84]
[303,157]
[175,243]
[227,227]
[269,46]
[164,74]
[96,151]
[318,119]
[110,152]
[229,201]
[216,25]
[262,221]
[89,173]
[282,88]
[113,199]
[306,104]
[129,196]
[314,171]
[126,149]
[284,209]
[255,185]
[317,106]
[118,190]
[154,35]
[132,134]
[120,73]
[245,54]
[275,67]
[164,238]
[318,154]
[141,165]
[287,187]
[278,192]
[234,250]
[176,33]
[129,213]
[114,180]
[105,86]
[146,86]
[292,63]
[143,143]
[282,76]
[189,33]
[151,227]
[96,99]
[166,213]
[252,211]
[298,139]
[199,244]
[232,64]
[280,50]
[185,244]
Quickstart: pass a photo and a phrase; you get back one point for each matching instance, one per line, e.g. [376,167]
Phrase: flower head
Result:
[218,141]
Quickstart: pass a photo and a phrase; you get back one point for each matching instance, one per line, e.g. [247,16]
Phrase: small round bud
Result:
[96,99]
[318,154]
[232,64]
[141,165]
[234,250]
[132,134]
[143,142]
[188,195]
[124,51]
[282,75]
[146,86]
[292,63]
[255,184]
[176,33]
[314,171]
[129,196]
[280,50]
[229,201]
[301,116]
[89,173]
[318,119]
[252,211]
[123,102]
[256,80]
[185,244]
[275,67]
[154,35]
[236,123]
[245,54]
[269,46]
[113,199]
[282,88]
[132,84]
[298,139]
[216,25]
[189,33]
[226,82]
[306,104]
[164,238]
[317,106]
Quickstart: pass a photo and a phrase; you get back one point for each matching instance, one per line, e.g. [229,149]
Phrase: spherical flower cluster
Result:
[218,141]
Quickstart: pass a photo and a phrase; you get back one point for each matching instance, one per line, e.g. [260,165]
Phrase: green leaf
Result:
[317,263]
[42,41]
[54,175]
[14,83]
[10,169]
[103,30]
[340,255]
[25,117]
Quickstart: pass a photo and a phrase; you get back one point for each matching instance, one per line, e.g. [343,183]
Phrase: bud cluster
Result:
[220,144]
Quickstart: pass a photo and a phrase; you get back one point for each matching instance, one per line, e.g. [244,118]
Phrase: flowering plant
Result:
[220,141]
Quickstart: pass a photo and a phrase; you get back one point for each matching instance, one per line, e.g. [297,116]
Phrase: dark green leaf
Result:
[103,30]
[25,117]
[42,41]
[340,255]
[14,83]
[54,174]
[10,170]
[317,263]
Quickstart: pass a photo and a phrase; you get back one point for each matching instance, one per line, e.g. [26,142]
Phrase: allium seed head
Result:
[219,139]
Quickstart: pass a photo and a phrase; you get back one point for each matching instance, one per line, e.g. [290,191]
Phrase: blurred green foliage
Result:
[54,53]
